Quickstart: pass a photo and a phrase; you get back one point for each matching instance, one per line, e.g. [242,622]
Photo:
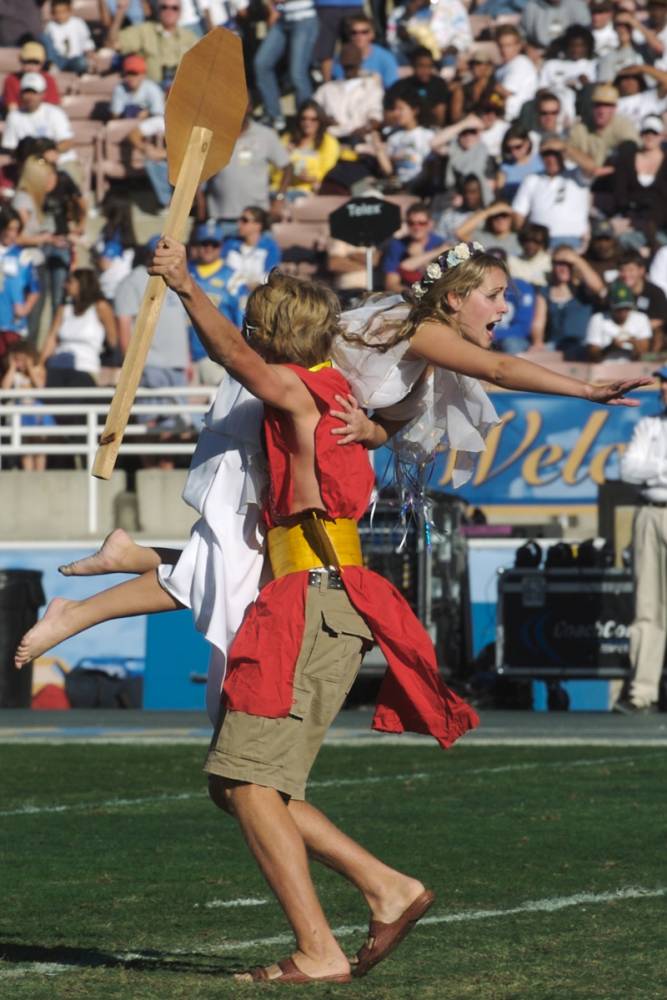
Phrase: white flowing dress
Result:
[220,570]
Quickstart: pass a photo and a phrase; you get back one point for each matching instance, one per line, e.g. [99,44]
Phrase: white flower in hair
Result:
[434,270]
[477,247]
[462,251]
[417,289]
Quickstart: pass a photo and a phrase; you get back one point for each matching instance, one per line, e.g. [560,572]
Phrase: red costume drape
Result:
[263,655]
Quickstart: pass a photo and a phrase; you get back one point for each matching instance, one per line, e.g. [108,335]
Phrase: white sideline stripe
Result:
[549,905]
[29,810]
[34,968]
[248,901]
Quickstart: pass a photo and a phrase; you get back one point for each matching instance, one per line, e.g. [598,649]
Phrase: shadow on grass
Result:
[93,958]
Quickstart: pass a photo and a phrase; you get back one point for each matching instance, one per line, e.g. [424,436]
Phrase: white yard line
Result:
[214,904]
[549,905]
[32,810]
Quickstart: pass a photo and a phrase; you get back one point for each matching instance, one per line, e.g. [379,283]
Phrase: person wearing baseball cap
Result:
[32,57]
[36,118]
[138,97]
[621,333]
[643,463]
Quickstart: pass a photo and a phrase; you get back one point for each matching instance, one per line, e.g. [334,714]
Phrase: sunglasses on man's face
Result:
[246,218]
[360,31]
[209,243]
[514,147]
[166,6]
[418,222]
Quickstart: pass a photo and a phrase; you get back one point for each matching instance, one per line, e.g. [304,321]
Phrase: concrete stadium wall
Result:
[161,511]
[54,504]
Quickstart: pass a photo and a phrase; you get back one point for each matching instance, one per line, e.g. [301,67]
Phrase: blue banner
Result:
[546,450]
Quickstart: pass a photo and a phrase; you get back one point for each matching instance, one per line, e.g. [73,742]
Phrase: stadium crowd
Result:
[533,126]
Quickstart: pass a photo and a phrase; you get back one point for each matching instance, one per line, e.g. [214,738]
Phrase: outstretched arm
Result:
[273,384]
[442,346]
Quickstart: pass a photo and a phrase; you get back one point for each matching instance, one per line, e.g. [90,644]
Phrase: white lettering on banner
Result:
[593,630]
[358,210]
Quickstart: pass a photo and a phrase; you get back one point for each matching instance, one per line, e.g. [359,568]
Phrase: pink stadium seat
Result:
[310,235]
[85,107]
[103,86]
[67,82]
[317,208]
[9,60]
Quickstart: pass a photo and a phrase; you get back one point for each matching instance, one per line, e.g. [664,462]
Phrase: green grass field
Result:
[549,864]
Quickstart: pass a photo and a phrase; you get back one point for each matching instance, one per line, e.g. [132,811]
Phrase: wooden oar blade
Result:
[209,90]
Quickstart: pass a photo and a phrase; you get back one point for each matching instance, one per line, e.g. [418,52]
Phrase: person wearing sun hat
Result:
[622,333]
[644,463]
[607,128]
[32,58]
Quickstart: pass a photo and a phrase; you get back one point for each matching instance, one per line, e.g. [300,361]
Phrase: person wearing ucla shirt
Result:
[254,252]
[224,288]
[645,463]
[19,286]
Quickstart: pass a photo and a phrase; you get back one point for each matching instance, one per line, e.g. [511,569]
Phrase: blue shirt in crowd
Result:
[227,295]
[378,60]
[18,279]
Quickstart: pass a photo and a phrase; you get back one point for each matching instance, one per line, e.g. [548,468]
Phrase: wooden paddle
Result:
[204,113]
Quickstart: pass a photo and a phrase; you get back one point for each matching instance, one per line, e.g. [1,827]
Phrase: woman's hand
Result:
[170,262]
[613,393]
[357,427]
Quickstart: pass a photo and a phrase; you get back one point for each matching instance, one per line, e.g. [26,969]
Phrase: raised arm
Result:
[442,346]
[273,384]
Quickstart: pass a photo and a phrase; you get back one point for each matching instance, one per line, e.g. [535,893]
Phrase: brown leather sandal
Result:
[291,974]
[383,938]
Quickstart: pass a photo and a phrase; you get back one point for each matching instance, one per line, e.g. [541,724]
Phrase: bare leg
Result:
[279,850]
[63,618]
[388,892]
[120,554]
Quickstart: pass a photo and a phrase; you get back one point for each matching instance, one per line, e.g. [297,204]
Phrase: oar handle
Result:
[149,311]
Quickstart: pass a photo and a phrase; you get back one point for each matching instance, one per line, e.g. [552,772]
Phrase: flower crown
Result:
[445,262]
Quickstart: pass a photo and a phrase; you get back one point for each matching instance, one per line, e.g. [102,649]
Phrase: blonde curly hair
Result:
[292,320]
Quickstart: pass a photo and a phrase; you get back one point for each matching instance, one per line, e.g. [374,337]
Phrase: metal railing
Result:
[80,438]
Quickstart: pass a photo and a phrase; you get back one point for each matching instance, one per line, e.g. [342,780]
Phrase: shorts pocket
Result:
[341,621]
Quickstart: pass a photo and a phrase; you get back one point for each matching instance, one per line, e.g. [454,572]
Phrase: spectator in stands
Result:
[254,252]
[245,179]
[604,251]
[115,246]
[640,180]
[604,37]
[469,155]
[520,159]
[621,333]
[36,118]
[492,227]
[332,16]
[606,130]
[419,239]
[311,148]
[565,305]
[403,155]
[133,11]
[512,333]
[649,299]
[426,85]
[168,362]
[360,31]
[46,248]
[556,198]
[570,67]
[81,326]
[636,100]
[293,28]
[230,14]
[466,202]
[23,370]
[441,26]
[624,54]
[516,77]
[162,44]
[353,105]
[534,262]
[19,284]
[224,288]
[136,96]
[68,38]
[467,97]
[543,21]
[550,121]
[32,57]
[494,127]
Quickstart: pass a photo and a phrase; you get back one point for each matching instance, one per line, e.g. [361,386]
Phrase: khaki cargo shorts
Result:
[279,753]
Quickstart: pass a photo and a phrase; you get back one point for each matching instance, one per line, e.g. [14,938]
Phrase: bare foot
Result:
[55,626]
[112,557]
[396,899]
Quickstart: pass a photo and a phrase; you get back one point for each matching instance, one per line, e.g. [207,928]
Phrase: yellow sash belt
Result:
[312,543]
